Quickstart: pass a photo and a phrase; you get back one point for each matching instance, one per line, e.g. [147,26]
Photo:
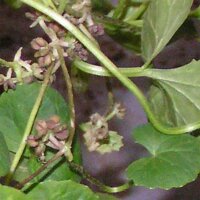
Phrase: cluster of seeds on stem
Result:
[96,131]
[49,133]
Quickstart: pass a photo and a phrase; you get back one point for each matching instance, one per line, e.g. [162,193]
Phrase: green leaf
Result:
[14,3]
[177,100]
[58,171]
[62,190]
[125,34]
[15,108]
[173,161]
[4,157]
[8,193]
[162,19]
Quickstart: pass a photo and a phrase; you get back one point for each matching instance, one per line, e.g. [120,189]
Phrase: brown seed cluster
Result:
[50,133]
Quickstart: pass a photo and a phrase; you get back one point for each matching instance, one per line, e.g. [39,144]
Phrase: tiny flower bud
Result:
[96,30]
[31,141]
[45,60]
[38,43]
[39,150]
[62,135]
[120,111]
[41,127]
[55,118]
[51,124]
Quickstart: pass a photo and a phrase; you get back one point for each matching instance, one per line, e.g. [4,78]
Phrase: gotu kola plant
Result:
[40,156]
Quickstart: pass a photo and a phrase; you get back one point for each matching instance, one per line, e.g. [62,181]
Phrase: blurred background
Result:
[109,168]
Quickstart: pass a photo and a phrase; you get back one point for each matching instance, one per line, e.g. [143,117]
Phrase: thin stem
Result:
[40,170]
[119,10]
[138,12]
[100,71]
[80,170]
[30,123]
[113,69]
[70,97]
[111,115]
[110,96]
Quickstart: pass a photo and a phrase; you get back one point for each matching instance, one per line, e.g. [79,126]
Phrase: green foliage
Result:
[174,94]
[51,190]
[15,108]
[4,157]
[161,21]
[144,26]
[8,193]
[62,190]
[173,161]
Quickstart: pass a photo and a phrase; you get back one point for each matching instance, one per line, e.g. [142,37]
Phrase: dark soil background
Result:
[15,33]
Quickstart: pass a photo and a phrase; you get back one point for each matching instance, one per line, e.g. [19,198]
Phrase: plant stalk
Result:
[29,124]
[70,97]
[113,69]
[40,170]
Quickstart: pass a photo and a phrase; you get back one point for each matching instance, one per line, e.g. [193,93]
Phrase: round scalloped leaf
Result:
[8,193]
[173,161]
[62,190]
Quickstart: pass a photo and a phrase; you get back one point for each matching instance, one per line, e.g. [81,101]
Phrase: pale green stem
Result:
[110,115]
[70,97]
[100,71]
[30,123]
[113,69]
[138,12]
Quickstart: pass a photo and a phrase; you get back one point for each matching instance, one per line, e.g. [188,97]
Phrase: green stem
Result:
[113,69]
[40,170]
[70,97]
[138,12]
[119,10]
[100,71]
[29,124]
[79,169]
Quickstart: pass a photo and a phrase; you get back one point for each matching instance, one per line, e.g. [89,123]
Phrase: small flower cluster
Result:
[26,71]
[50,133]
[97,135]
[83,9]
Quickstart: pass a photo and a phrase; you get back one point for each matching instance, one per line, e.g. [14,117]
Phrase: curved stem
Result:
[100,71]
[79,169]
[112,69]
[30,123]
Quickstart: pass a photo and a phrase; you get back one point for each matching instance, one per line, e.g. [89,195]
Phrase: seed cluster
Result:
[49,133]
